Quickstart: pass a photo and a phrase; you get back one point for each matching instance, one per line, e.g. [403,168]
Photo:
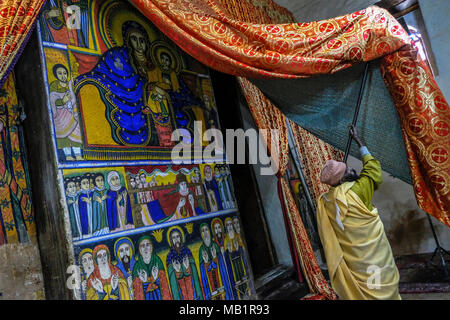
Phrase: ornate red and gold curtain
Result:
[313,154]
[17,19]
[17,222]
[230,37]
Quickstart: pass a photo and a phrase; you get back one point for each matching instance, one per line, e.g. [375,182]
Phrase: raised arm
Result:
[370,176]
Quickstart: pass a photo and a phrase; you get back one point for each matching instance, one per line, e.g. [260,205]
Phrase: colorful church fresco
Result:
[199,260]
[142,226]
[107,200]
[118,87]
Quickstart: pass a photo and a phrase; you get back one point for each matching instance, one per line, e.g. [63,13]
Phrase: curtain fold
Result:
[314,153]
[236,42]
[17,222]
[17,19]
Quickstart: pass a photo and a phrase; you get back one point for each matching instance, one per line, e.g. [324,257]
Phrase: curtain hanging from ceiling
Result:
[17,19]
[212,33]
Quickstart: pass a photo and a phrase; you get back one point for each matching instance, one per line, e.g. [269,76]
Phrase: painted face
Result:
[115,181]
[102,258]
[165,62]
[87,263]
[206,235]
[85,185]
[146,248]
[230,230]
[183,187]
[236,225]
[132,183]
[61,74]
[138,42]
[100,182]
[142,177]
[216,171]
[208,173]
[71,188]
[218,230]
[176,239]
[124,252]
[197,173]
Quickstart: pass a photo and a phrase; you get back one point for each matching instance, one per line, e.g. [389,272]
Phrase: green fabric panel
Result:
[325,104]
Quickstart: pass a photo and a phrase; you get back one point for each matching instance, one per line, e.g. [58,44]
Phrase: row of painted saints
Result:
[145,100]
[96,208]
[137,272]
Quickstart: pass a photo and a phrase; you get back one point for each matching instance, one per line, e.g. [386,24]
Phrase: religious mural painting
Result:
[113,71]
[106,200]
[197,260]
[142,227]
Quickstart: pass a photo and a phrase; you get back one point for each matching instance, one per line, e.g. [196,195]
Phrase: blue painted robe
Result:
[222,271]
[113,210]
[115,75]
[85,211]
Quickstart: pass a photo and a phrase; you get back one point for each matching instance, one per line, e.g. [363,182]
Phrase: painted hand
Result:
[143,275]
[155,272]
[176,266]
[114,281]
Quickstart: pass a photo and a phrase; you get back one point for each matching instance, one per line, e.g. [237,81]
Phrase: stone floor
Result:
[426,296]
[423,278]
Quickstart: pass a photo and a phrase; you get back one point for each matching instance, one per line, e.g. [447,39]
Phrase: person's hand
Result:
[355,136]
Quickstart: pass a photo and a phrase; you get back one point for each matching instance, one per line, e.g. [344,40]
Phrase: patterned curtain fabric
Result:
[16,210]
[313,154]
[268,117]
[216,35]
[16,21]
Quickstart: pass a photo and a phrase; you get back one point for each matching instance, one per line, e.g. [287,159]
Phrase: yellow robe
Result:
[359,258]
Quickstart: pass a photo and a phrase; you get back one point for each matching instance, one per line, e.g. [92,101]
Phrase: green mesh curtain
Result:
[325,105]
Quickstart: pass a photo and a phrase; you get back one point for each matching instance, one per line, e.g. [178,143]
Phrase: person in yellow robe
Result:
[359,258]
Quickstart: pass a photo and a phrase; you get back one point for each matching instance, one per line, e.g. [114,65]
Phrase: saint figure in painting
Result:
[212,268]
[106,282]
[118,203]
[85,206]
[99,207]
[149,276]
[121,77]
[65,116]
[72,206]
[183,276]
[235,260]
[124,251]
